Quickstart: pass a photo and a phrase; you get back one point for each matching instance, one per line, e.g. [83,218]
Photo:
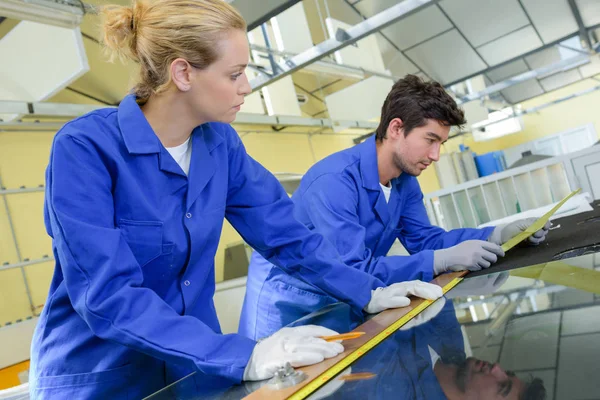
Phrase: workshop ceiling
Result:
[449,41]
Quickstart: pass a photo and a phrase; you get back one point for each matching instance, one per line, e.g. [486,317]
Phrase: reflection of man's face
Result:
[479,379]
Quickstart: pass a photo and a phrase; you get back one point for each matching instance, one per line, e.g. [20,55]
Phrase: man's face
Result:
[479,379]
[415,152]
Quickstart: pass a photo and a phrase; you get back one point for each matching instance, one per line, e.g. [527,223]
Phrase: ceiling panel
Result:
[510,46]
[561,79]
[411,30]
[507,71]
[543,58]
[553,19]
[484,20]
[447,57]
[371,7]
[590,11]
[255,16]
[394,60]
[522,91]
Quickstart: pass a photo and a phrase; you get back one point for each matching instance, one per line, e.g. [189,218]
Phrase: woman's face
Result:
[217,92]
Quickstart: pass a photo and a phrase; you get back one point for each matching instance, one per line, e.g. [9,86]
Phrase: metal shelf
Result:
[76,110]
[22,189]
[26,262]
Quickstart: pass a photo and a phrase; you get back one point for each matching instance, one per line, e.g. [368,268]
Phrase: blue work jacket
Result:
[341,198]
[130,304]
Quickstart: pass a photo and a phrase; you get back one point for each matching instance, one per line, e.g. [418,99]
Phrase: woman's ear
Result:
[181,72]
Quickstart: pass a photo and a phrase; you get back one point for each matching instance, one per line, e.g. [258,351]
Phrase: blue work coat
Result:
[130,304]
[341,198]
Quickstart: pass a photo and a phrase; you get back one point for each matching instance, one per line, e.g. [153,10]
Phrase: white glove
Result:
[471,255]
[395,295]
[426,315]
[479,285]
[503,233]
[299,346]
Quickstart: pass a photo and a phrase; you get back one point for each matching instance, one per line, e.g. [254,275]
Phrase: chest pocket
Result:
[144,239]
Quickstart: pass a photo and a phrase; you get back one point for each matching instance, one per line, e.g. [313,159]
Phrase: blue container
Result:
[490,163]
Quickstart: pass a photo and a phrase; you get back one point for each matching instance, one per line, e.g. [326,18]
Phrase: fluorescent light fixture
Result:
[43,11]
[499,123]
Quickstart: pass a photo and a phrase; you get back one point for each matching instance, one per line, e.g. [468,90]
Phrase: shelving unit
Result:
[486,199]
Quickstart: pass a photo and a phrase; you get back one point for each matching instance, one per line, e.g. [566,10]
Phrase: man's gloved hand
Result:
[395,295]
[299,346]
[471,255]
[479,285]
[426,315]
[503,233]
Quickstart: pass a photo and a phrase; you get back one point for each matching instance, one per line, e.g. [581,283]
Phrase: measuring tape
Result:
[326,376]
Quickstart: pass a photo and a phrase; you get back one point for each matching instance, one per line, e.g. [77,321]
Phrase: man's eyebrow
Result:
[508,389]
[436,136]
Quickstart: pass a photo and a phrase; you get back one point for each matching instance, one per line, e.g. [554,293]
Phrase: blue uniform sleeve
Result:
[261,211]
[331,203]
[418,234]
[104,280]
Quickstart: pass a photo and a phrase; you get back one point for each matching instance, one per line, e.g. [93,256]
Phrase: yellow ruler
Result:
[326,376]
[537,225]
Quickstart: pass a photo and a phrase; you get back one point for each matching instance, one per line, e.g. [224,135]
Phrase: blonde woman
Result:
[135,202]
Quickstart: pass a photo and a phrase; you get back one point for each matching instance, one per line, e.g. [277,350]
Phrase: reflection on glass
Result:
[531,333]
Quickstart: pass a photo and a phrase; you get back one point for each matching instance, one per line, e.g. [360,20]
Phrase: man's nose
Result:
[498,372]
[434,154]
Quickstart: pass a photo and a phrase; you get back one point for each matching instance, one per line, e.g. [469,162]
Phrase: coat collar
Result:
[139,137]
[369,170]
[369,173]
[137,133]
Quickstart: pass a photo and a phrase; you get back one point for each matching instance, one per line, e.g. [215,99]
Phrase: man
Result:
[363,198]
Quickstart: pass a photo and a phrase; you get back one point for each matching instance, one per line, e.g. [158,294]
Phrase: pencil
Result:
[343,336]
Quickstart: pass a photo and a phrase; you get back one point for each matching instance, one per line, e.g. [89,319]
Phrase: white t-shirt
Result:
[182,154]
[387,191]
[434,357]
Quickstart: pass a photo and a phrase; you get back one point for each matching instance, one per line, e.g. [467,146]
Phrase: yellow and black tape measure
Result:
[326,376]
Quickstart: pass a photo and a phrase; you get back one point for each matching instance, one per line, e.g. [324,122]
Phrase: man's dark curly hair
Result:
[414,101]
[534,390]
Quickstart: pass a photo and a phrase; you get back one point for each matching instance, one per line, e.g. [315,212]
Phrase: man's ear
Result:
[395,128]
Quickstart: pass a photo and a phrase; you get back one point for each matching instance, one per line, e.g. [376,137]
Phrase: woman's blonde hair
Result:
[154,33]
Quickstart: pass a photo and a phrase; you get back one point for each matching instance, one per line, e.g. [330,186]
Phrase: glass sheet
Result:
[509,335]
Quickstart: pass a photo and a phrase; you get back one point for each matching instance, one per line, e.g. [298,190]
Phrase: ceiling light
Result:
[43,11]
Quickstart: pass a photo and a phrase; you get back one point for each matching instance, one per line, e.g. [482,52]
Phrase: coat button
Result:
[188,215]
[187,283]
